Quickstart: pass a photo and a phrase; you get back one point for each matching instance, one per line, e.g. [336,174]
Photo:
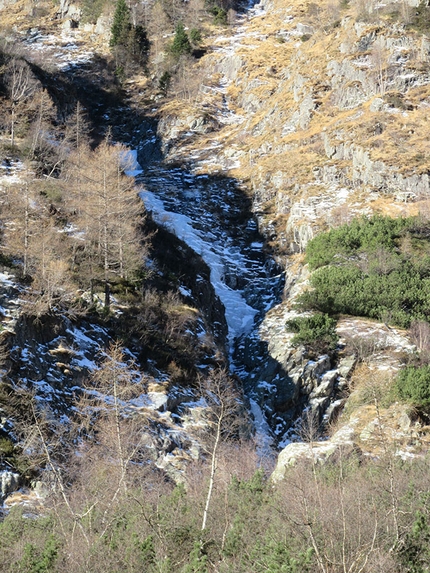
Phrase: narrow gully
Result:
[212,215]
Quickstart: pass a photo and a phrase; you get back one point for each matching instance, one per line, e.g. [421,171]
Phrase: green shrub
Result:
[363,234]
[40,560]
[271,556]
[92,9]
[397,298]
[413,386]
[414,551]
[317,333]
[120,25]
[376,267]
[164,82]
[421,18]
[130,44]
[220,16]
[52,192]
[195,36]
[181,43]
[6,447]
[39,547]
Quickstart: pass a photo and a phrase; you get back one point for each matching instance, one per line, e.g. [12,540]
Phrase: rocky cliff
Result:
[322,111]
[325,114]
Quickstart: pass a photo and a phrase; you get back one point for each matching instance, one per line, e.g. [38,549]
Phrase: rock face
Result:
[69,10]
[289,382]
[312,110]
[326,118]
[5,3]
[316,452]
[9,482]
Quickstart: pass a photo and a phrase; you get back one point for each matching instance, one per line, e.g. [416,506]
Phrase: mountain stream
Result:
[209,214]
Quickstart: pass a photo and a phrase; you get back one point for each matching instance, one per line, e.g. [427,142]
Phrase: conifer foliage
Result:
[181,43]
[130,43]
[121,24]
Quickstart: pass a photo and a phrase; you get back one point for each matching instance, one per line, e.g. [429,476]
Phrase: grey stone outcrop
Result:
[9,482]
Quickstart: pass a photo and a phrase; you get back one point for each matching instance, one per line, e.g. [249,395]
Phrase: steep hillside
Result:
[318,113]
[215,244]
[323,112]
[331,105]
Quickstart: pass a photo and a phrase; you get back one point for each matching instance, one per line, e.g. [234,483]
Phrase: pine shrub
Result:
[317,333]
[121,24]
[181,43]
[413,386]
[375,267]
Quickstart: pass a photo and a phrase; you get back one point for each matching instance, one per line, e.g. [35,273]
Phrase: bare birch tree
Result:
[21,224]
[223,404]
[379,58]
[20,84]
[114,433]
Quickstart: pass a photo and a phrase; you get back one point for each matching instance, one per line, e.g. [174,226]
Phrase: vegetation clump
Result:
[220,16]
[317,333]
[92,10]
[376,267]
[421,19]
[413,386]
[181,43]
[130,43]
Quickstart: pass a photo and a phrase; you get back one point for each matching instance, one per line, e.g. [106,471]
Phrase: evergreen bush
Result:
[92,9]
[121,24]
[413,386]
[376,267]
[220,16]
[414,551]
[195,36]
[130,43]
[421,18]
[164,82]
[181,43]
[363,234]
[317,333]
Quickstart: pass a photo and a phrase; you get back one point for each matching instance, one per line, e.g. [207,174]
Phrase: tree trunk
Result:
[107,294]
[12,127]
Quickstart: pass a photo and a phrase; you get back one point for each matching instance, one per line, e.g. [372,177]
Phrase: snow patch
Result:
[239,315]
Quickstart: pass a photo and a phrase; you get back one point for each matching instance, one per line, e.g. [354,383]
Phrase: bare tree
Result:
[113,430]
[420,335]
[379,58]
[31,237]
[21,215]
[20,84]
[222,400]
[44,115]
[109,213]
[337,512]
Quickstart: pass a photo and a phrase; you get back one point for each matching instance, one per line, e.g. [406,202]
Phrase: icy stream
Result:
[209,214]
[212,215]
[206,213]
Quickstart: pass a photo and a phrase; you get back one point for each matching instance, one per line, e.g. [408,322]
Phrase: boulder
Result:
[346,365]
[318,452]
[69,24]
[305,30]
[9,482]
[69,10]
[326,386]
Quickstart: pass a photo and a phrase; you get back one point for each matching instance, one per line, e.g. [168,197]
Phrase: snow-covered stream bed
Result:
[210,215]
[203,213]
